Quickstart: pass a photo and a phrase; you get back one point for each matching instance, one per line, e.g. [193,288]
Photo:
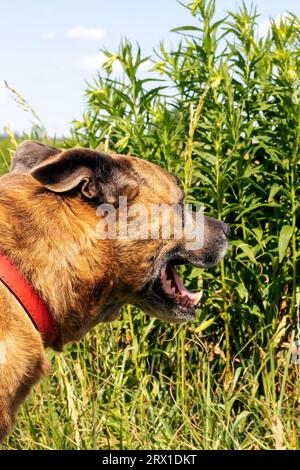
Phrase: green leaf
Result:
[185,28]
[204,325]
[284,238]
[273,191]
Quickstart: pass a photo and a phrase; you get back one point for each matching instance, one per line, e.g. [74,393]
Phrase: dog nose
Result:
[226,229]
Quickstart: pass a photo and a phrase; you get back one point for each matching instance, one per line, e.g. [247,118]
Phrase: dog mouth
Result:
[173,289]
[166,296]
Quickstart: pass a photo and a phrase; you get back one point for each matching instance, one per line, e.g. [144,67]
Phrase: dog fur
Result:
[48,226]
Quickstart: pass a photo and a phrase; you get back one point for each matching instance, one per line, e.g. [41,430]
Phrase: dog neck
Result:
[34,306]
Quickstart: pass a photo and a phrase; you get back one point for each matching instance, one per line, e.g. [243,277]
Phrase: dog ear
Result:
[29,154]
[99,176]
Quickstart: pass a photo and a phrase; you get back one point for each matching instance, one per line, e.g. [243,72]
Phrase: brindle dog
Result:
[48,220]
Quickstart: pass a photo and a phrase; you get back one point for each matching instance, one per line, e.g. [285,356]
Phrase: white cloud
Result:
[84,33]
[265,26]
[48,36]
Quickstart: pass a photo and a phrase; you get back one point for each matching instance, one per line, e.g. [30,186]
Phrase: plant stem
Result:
[188,154]
[294,207]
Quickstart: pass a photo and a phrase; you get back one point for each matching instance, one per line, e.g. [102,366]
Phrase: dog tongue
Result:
[194,297]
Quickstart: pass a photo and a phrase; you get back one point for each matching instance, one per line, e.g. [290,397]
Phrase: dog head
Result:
[152,233]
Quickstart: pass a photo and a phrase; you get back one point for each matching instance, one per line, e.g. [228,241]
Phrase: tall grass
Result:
[223,113]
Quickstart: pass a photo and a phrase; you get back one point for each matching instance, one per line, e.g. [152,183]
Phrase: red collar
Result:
[34,306]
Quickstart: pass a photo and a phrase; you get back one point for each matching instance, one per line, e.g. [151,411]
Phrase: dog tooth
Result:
[198,298]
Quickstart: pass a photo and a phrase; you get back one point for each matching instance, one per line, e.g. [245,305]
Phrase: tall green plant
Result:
[224,116]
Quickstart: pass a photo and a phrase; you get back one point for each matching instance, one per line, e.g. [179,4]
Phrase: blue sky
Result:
[50,47]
